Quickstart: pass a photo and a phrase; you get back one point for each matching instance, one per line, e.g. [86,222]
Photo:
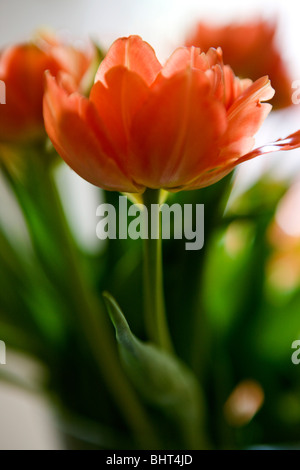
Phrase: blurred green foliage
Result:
[227,320]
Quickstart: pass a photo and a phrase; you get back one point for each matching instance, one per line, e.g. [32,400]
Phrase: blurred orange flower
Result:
[22,70]
[251,51]
[181,126]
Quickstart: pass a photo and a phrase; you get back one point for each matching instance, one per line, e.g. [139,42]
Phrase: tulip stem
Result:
[155,316]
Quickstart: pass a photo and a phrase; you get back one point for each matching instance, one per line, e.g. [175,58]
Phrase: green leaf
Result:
[162,380]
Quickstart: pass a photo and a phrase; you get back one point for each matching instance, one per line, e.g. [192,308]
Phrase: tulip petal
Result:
[212,175]
[234,87]
[290,142]
[72,60]
[87,154]
[117,103]
[260,90]
[252,51]
[174,134]
[207,178]
[134,54]
[22,70]
[245,117]
[183,58]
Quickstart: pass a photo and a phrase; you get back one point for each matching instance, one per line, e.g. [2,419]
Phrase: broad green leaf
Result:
[162,380]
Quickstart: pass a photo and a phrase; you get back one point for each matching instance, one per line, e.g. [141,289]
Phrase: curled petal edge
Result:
[214,174]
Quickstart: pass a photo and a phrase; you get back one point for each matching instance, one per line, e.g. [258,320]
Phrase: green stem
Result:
[49,216]
[155,317]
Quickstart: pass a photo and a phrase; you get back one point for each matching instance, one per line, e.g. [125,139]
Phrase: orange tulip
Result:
[251,51]
[181,126]
[22,70]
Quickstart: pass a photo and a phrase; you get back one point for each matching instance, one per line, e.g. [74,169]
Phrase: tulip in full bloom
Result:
[180,126]
[251,50]
[22,70]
